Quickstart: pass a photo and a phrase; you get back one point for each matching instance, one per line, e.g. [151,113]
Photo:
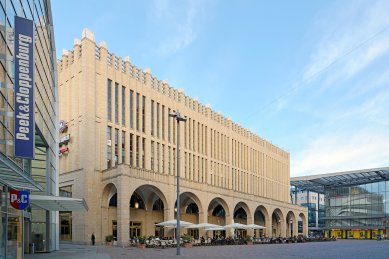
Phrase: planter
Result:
[142,246]
[188,245]
[249,242]
[108,243]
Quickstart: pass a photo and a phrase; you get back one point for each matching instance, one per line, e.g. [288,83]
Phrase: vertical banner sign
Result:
[24,134]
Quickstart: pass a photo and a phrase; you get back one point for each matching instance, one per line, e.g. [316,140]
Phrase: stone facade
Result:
[122,154]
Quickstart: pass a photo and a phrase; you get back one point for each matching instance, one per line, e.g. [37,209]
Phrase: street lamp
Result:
[291,229]
[178,117]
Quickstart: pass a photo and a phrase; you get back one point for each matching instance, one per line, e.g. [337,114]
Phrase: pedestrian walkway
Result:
[339,249]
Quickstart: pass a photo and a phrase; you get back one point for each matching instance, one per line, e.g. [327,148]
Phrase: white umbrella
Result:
[173,223]
[236,226]
[220,228]
[203,225]
[254,226]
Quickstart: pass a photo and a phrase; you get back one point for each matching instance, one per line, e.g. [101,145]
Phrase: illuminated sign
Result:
[19,199]
[62,126]
[24,136]
[64,139]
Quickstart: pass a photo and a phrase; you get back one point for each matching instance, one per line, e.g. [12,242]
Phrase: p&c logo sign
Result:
[19,199]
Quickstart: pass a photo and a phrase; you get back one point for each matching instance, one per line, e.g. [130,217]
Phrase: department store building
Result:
[119,153]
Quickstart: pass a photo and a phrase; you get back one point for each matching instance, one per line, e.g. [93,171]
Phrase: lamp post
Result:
[178,117]
[291,229]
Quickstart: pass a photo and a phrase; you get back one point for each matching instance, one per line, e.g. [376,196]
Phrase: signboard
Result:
[64,139]
[19,199]
[62,126]
[24,136]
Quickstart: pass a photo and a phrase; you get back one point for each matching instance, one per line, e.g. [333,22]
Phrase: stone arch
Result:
[108,211]
[108,192]
[303,219]
[278,223]
[218,211]
[291,223]
[150,194]
[144,216]
[241,207]
[261,217]
[188,199]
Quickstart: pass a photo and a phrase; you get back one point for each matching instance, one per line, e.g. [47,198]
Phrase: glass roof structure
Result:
[15,177]
[317,183]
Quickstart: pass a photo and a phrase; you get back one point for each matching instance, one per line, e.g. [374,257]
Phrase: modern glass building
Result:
[315,203]
[36,174]
[356,202]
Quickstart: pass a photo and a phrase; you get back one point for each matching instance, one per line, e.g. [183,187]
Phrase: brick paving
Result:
[339,249]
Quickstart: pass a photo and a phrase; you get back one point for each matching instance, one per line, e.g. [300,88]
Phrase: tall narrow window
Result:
[123,147]
[116,103]
[157,158]
[109,90]
[152,117]
[116,145]
[137,151]
[174,161]
[152,156]
[174,131]
[143,152]
[137,111]
[157,120]
[131,149]
[131,109]
[168,125]
[109,151]
[143,114]
[163,122]
[163,158]
[123,105]
[185,166]
[168,160]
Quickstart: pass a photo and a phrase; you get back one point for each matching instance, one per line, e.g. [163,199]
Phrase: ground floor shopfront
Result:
[127,203]
[373,233]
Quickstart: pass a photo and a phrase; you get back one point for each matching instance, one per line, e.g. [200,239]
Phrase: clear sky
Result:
[312,77]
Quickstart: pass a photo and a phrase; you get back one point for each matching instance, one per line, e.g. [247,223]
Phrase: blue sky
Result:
[312,77]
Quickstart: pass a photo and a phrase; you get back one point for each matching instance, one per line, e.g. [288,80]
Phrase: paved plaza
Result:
[338,249]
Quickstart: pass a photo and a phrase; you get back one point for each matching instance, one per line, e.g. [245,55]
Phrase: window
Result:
[131,149]
[158,120]
[157,156]
[163,122]
[116,103]
[168,125]
[152,117]
[137,111]
[109,151]
[116,145]
[137,151]
[152,155]
[123,105]
[168,160]
[131,109]
[143,114]
[123,147]
[109,111]
[174,161]
[143,152]
[163,158]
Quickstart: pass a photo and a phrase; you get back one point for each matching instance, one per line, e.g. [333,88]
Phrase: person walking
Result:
[93,238]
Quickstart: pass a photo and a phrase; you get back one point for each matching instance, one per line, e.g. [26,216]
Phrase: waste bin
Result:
[32,248]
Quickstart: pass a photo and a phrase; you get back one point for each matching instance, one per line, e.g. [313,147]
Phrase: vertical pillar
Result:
[123,211]
[250,220]
[268,225]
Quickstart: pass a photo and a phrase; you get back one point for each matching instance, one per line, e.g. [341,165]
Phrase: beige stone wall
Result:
[219,158]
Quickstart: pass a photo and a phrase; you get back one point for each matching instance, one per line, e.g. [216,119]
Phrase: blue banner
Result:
[24,135]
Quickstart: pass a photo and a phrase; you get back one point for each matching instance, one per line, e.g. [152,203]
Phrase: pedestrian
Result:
[93,238]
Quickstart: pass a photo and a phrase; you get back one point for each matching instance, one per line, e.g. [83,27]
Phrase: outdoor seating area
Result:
[156,242]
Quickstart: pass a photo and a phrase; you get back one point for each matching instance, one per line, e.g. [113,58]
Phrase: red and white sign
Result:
[19,199]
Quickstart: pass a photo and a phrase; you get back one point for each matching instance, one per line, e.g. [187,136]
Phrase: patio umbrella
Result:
[254,226]
[236,226]
[173,223]
[203,225]
[219,228]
